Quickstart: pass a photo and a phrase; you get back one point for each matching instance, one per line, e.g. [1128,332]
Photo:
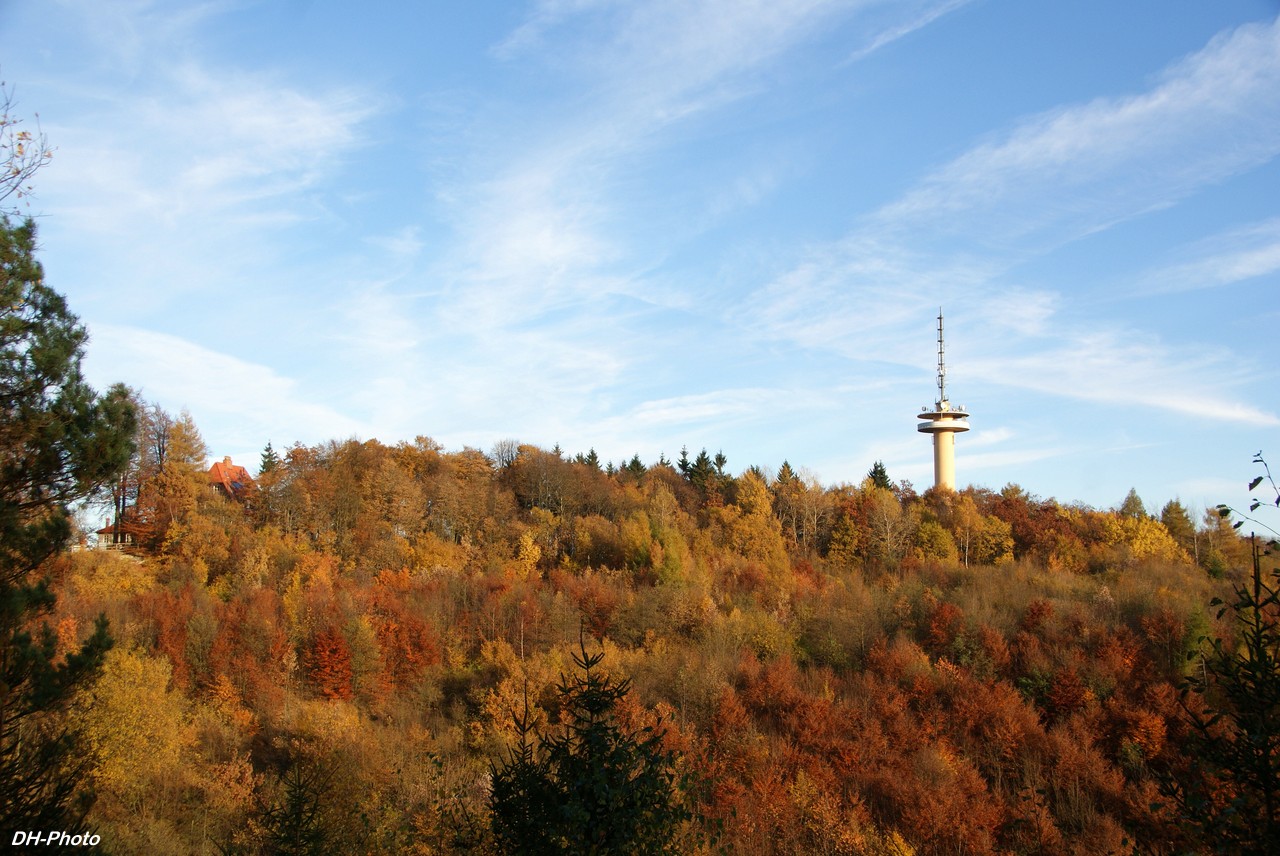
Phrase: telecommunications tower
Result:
[944,422]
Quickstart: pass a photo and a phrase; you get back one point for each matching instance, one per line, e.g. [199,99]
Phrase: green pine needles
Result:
[60,442]
[1231,792]
[593,787]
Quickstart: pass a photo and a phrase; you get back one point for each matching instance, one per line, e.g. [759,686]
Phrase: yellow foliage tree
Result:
[139,731]
[528,554]
[994,542]
[935,542]
[1147,538]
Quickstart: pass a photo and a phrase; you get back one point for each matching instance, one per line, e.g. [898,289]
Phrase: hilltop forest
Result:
[354,641]
[369,648]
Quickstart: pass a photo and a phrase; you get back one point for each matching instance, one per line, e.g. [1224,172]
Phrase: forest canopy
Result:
[368,629]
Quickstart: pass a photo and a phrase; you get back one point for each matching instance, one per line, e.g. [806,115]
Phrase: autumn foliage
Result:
[850,669]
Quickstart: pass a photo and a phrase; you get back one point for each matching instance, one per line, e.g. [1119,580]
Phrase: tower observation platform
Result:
[943,421]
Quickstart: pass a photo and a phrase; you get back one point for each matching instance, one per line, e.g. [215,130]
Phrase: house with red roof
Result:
[231,479]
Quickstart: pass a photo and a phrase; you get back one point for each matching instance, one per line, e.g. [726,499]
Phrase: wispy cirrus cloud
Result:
[176,183]
[855,297]
[632,71]
[959,236]
[544,215]
[1011,458]
[718,406]
[187,183]
[923,15]
[1126,368]
[217,144]
[1075,170]
[1234,256]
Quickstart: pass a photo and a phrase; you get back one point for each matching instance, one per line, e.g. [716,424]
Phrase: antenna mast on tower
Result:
[942,367]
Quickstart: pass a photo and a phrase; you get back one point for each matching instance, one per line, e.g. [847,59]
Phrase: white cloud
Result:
[200,148]
[1006,460]
[545,16]
[178,180]
[988,437]
[405,243]
[717,406]
[1235,256]
[1075,170]
[246,402]
[1126,368]
[927,15]
[542,227]
[130,33]
[856,298]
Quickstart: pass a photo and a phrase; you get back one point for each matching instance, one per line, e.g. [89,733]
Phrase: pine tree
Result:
[1231,792]
[1132,505]
[1231,789]
[1178,523]
[635,466]
[594,788]
[270,460]
[879,476]
[701,471]
[294,826]
[60,442]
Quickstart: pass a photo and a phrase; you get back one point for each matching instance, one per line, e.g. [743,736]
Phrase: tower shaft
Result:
[944,459]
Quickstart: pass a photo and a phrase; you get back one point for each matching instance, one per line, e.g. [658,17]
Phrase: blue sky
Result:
[641,226]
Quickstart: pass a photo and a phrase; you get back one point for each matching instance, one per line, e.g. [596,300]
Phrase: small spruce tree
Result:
[1132,505]
[1231,789]
[879,476]
[593,788]
[270,460]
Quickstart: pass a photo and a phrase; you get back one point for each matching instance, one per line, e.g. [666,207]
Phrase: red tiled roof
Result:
[230,477]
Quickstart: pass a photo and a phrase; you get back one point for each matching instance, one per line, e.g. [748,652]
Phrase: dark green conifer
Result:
[1132,505]
[1178,523]
[1231,789]
[60,442]
[593,788]
[270,460]
[635,466]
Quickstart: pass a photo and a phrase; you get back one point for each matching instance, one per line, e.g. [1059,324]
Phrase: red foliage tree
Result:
[328,663]
[251,647]
[167,612]
[945,624]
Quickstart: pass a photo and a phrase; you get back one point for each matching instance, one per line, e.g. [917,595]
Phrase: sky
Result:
[642,226]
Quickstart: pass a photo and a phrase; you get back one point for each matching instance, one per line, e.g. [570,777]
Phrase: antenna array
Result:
[942,367]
